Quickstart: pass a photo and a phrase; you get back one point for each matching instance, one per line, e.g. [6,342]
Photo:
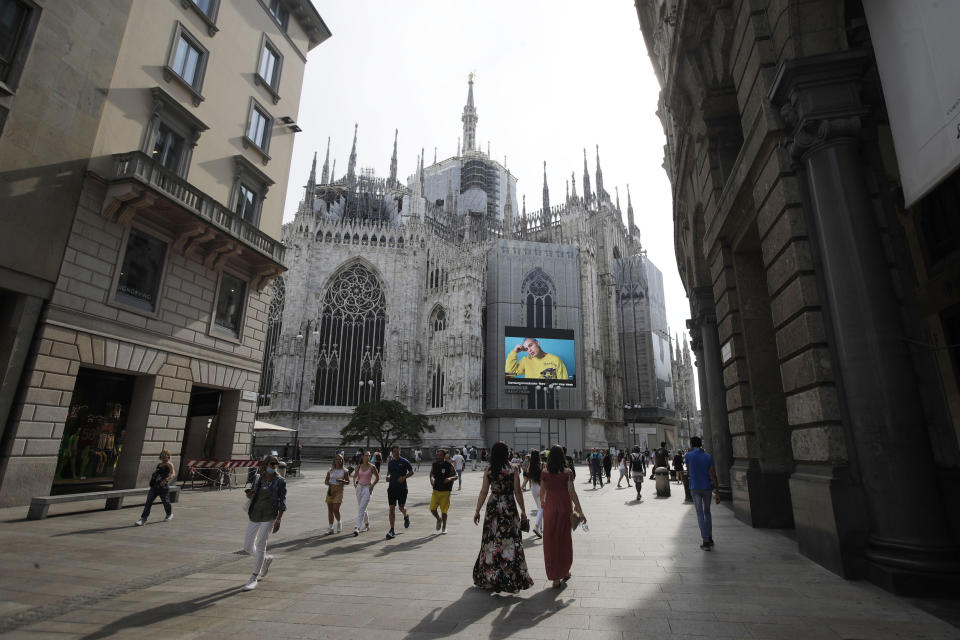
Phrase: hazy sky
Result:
[552,77]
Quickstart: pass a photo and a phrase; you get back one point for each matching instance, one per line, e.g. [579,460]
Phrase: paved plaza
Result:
[638,573]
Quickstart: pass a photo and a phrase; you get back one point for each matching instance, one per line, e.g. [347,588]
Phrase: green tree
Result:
[385,422]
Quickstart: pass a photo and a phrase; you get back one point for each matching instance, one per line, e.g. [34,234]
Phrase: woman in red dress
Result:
[556,494]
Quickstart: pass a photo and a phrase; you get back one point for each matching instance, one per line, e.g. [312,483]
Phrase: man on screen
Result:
[538,365]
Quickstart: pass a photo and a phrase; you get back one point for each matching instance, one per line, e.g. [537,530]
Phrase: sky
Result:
[552,78]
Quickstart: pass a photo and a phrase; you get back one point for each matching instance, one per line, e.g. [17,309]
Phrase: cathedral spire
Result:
[629,213]
[325,175]
[333,171]
[393,159]
[448,203]
[312,181]
[421,170]
[546,190]
[352,163]
[568,190]
[616,190]
[573,183]
[600,192]
[508,210]
[469,119]
[586,178]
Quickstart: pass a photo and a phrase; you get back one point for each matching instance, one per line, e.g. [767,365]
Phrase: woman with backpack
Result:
[159,488]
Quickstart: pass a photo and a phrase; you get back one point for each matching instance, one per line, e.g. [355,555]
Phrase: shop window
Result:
[141,272]
[18,23]
[187,62]
[94,433]
[268,71]
[231,299]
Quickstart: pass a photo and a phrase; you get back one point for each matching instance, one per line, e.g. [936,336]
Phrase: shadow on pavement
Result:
[513,613]
[140,619]
[83,532]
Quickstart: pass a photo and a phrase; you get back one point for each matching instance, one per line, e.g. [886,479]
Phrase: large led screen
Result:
[539,356]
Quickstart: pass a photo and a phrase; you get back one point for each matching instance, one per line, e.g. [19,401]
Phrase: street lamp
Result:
[307,328]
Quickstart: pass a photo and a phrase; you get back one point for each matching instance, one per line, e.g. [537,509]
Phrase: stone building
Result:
[684,381]
[137,158]
[419,292]
[821,300]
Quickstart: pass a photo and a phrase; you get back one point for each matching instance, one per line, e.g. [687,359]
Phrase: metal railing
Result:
[139,166]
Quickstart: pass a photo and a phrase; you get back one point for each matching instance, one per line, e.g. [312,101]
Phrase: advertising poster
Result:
[539,356]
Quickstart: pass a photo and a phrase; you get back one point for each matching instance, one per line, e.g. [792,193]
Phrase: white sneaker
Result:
[330,529]
[356,532]
[266,566]
[339,527]
[438,525]
[251,585]
[443,530]
[366,526]
[140,522]
[168,518]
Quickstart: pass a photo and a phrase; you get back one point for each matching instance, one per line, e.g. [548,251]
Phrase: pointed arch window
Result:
[539,295]
[438,319]
[274,327]
[350,343]
[539,299]
[436,387]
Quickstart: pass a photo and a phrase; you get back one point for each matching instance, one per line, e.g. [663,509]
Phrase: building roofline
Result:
[309,18]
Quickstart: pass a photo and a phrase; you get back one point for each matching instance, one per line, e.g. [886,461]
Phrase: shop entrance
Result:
[94,433]
[211,424]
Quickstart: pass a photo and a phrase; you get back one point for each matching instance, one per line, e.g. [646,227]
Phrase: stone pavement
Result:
[638,573]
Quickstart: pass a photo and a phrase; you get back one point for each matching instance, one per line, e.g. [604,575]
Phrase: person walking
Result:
[596,468]
[268,502]
[703,482]
[622,468]
[398,470]
[417,456]
[637,469]
[442,475]
[556,495]
[336,479]
[458,462]
[533,474]
[474,457]
[678,466]
[365,478]
[607,464]
[501,564]
[159,488]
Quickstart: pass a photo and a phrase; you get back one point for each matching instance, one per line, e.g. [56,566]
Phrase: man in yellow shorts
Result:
[442,475]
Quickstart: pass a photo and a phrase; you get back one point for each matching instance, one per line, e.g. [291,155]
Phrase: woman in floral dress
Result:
[501,565]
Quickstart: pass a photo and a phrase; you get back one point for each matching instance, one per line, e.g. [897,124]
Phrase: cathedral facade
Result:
[422,291]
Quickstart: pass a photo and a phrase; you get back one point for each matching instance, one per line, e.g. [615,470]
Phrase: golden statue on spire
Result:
[470,76]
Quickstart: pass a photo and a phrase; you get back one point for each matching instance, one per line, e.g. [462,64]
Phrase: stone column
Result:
[908,545]
[696,344]
[715,398]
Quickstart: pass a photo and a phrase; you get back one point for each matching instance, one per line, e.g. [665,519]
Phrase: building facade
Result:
[420,292]
[821,317]
[164,232]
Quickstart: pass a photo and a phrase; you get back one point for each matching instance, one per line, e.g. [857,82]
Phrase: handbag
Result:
[525,525]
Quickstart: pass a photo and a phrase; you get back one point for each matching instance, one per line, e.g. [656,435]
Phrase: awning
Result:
[266,426]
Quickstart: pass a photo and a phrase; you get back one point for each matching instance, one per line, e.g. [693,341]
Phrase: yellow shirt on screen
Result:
[549,367]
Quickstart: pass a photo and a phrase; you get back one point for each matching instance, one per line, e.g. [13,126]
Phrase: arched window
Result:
[438,319]
[539,297]
[350,340]
[436,387]
[274,325]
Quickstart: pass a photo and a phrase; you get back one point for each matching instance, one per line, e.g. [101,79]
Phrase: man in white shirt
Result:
[458,461]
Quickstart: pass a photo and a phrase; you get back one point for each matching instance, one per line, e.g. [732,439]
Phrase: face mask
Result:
[271,470]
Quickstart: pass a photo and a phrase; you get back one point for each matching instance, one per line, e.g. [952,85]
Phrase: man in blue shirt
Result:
[398,470]
[703,483]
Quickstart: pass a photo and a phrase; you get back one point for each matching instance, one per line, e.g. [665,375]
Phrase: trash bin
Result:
[662,475]
[687,496]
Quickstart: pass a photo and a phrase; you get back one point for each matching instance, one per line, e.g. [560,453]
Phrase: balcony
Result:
[139,186]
